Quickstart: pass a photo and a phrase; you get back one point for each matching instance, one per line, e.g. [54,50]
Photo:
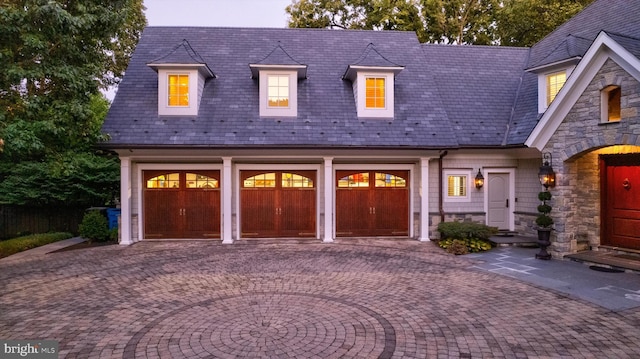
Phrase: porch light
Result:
[479,181]
[546,175]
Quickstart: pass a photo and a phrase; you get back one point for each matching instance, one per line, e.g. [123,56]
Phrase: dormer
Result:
[278,75]
[372,77]
[182,74]
[554,69]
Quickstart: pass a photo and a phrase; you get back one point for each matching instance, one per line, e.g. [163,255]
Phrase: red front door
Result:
[621,201]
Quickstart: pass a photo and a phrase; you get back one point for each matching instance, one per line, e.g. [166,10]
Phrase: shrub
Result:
[544,220]
[19,244]
[474,237]
[94,227]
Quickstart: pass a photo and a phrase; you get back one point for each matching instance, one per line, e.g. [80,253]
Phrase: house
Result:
[235,133]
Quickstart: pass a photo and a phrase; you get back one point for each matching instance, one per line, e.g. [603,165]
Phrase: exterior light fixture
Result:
[479,181]
[546,175]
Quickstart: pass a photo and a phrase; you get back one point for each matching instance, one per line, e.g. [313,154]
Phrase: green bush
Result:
[474,237]
[544,220]
[19,244]
[94,227]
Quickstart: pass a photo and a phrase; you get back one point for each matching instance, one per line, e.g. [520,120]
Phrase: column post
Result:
[328,200]
[227,188]
[125,201]
[424,199]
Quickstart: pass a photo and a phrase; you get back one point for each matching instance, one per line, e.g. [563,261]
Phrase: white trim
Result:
[163,92]
[487,172]
[424,199]
[445,189]
[360,95]
[292,109]
[171,167]
[227,189]
[602,49]
[380,167]
[329,200]
[125,201]
[276,168]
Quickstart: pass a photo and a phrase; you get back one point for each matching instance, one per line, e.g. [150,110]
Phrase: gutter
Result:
[441,186]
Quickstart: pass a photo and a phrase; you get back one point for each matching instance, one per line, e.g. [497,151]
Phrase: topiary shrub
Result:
[473,236]
[94,227]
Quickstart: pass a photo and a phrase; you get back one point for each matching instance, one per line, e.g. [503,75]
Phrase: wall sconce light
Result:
[546,175]
[479,181]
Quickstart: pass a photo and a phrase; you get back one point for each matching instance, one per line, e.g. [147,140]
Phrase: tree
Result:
[55,57]
[523,23]
[480,22]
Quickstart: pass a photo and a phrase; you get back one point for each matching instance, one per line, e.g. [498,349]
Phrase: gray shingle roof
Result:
[615,16]
[229,110]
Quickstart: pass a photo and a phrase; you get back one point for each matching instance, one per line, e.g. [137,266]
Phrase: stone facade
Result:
[576,146]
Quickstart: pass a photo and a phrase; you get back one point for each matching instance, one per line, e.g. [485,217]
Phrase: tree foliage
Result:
[480,22]
[55,56]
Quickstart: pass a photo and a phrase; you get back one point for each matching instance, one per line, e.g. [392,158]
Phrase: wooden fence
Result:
[17,220]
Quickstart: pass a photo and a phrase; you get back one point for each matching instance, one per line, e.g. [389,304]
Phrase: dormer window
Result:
[182,74]
[178,91]
[555,81]
[278,91]
[278,74]
[373,78]
[375,92]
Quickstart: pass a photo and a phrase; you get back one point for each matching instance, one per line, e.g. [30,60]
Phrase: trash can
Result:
[112,217]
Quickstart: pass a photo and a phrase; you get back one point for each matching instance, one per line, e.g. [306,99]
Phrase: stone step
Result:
[627,262]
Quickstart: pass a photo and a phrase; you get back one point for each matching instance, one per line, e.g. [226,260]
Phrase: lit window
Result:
[555,82]
[195,180]
[375,97]
[354,180]
[278,91]
[611,96]
[292,180]
[389,180]
[169,180]
[263,180]
[178,90]
[457,186]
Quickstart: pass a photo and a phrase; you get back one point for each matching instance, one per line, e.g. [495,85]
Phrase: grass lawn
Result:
[19,244]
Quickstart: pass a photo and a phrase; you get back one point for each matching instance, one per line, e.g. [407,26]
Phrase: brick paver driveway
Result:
[353,299]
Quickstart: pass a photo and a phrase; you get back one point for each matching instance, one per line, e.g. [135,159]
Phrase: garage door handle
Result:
[507,203]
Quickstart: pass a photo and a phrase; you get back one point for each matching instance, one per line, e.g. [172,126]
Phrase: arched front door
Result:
[620,176]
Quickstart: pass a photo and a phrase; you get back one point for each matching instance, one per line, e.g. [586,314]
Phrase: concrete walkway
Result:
[350,299]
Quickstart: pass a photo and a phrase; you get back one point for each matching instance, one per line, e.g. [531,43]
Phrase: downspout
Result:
[440,186]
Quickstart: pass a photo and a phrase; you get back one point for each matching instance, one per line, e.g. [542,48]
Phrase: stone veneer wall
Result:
[574,146]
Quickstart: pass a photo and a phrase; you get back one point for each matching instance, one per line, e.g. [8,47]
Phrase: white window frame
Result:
[542,86]
[604,103]
[163,93]
[361,96]
[462,173]
[265,109]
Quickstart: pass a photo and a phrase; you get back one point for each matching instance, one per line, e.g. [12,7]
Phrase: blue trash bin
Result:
[112,217]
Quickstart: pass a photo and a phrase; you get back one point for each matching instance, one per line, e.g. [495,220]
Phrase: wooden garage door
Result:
[278,204]
[621,201]
[181,204]
[372,203]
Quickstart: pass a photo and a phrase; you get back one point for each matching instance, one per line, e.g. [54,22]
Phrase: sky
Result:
[228,13]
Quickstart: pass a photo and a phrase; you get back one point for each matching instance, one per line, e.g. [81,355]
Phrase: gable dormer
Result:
[182,74]
[373,77]
[278,75]
[554,69]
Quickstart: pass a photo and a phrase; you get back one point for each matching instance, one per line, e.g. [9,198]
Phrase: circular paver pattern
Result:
[283,299]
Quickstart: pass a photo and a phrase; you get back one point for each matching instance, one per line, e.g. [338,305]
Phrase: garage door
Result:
[184,204]
[278,204]
[372,203]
